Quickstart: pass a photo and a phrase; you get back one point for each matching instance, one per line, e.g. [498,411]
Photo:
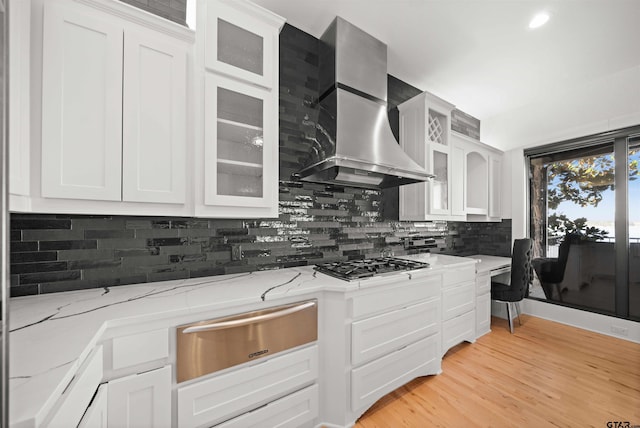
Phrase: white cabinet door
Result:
[141,400]
[483,314]
[495,172]
[458,190]
[96,414]
[154,119]
[81,104]
[240,150]
[18,101]
[77,396]
[240,44]
[477,179]
[440,185]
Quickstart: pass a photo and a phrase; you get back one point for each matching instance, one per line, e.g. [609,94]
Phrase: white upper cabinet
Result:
[466,186]
[481,175]
[154,119]
[111,134]
[425,135]
[18,102]
[495,180]
[477,181]
[237,150]
[81,104]
[239,144]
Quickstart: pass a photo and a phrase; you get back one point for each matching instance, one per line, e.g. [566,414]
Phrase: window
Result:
[585,222]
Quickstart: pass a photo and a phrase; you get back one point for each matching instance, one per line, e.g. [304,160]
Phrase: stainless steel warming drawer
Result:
[208,346]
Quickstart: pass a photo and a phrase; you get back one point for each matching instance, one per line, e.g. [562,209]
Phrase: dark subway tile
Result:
[24,290]
[40,223]
[36,256]
[16,235]
[121,244]
[60,286]
[32,278]
[102,222]
[85,254]
[108,234]
[157,233]
[21,268]
[132,253]
[18,247]
[52,235]
[168,276]
[162,242]
[94,264]
[192,223]
[69,245]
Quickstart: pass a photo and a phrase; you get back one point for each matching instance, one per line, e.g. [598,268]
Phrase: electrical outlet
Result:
[621,331]
[236,252]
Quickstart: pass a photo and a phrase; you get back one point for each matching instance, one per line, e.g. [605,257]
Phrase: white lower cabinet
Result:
[96,414]
[483,304]
[458,307]
[220,398]
[393,337]
[140,400]
[379,335]
[78,394]
[376,379]
[295,410]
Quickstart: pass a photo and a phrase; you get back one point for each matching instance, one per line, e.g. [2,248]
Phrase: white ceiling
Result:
[480,54]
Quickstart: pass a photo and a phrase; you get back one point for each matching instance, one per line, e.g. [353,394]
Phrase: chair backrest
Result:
[521,274]
[563,255]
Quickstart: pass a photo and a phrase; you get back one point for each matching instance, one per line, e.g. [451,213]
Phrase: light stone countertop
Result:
[52,334]
[491,263]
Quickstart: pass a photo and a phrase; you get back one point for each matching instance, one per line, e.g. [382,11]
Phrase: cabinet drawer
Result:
[222,397]
[294,410]
[405,292]
[458,300]
[458,330]
[140,348]
[79,393]
[374,380]
[381,334]
[454,276]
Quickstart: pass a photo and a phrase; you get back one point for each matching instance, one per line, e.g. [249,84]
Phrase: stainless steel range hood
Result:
[354,144]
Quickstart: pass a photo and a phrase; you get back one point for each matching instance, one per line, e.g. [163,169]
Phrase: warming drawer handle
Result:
[245,321]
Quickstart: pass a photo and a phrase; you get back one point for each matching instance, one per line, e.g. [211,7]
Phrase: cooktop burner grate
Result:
[365,268]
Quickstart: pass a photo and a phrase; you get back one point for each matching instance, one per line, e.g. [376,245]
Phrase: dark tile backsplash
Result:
[316,223]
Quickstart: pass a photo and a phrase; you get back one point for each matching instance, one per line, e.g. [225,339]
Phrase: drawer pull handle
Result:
[246,321]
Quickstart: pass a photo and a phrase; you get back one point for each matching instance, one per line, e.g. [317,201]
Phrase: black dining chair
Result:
[551,271]
[521,276]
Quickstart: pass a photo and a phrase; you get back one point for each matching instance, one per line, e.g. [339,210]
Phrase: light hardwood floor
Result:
[546,374]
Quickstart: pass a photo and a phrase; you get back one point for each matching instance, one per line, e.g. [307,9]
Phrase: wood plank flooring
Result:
[545,375]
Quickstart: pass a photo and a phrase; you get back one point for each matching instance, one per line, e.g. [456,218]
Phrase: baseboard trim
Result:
[583,319]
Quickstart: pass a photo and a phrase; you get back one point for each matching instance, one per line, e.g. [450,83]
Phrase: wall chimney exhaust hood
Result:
[354,145]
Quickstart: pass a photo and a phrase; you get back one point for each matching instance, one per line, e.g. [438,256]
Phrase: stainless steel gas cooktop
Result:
[365,268]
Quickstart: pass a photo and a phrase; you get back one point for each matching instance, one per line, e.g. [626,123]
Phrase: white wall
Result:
[605,104]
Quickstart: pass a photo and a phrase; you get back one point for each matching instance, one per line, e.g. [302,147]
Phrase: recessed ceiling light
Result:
[539,20]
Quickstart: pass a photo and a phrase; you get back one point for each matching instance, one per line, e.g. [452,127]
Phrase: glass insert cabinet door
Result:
[239,45]
[441,183]
[238,151]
